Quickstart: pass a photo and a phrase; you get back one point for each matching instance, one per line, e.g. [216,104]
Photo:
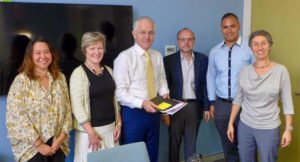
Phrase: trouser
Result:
[140,126]
[184,123]
[222,115]
[266,140]
[59,156]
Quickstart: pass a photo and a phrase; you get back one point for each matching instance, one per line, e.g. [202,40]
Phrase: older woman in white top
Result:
[260,87]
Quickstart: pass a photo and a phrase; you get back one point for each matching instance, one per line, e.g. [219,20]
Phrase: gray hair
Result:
[185,28]
[147,18]
[263,33]
[90,38]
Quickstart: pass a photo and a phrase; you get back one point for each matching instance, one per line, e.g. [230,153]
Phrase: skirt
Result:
[82,141]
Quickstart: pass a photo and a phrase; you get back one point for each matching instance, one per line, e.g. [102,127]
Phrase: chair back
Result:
[134,152]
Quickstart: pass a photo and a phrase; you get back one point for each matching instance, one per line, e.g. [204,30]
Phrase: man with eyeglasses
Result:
[139,75]
[186,76]
[226,60]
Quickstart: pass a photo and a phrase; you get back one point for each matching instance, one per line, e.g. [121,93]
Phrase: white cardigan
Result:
[80,98]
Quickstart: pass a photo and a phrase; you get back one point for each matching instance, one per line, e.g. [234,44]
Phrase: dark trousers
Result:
[222,115]
[59,156]
[185,123]
[140,126]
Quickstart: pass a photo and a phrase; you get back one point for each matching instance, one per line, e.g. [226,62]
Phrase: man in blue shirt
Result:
[226,60]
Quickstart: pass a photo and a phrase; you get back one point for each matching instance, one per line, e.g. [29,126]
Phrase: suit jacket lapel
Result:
[178,71]
[197,65]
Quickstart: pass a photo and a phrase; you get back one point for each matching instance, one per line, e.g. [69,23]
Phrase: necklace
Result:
[97,71]
[262,67]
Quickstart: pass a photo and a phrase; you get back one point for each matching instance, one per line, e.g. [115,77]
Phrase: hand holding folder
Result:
[168,106]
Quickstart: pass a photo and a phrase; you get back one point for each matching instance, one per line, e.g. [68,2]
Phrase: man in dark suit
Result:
[186,76]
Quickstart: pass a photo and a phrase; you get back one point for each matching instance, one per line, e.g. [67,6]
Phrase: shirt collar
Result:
[50,77]
[182,58]
[139,50]
[238,42]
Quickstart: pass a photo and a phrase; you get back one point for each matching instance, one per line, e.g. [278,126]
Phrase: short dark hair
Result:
[263,33]
[229,14]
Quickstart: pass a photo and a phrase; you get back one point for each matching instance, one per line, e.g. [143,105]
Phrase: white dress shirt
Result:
[188,74]
[131,76]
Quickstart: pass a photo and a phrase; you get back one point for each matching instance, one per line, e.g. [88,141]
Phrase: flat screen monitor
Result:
[62,23]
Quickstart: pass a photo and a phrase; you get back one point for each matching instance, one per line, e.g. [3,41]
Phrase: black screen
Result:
[53,21]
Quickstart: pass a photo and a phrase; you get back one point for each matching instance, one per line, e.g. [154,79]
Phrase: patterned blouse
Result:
[34,112]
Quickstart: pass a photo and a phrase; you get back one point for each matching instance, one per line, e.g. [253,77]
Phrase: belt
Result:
[189,100]
[224,100]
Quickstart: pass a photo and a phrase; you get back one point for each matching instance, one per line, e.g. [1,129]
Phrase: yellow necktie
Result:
[150,77]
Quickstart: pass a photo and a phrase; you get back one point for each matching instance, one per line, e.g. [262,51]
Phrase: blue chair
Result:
[134,152]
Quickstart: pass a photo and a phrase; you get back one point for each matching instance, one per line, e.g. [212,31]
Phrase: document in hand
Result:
[168,106]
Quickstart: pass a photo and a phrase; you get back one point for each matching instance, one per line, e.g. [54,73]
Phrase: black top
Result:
[102,89]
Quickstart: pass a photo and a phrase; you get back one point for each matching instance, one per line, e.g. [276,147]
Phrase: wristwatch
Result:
[290,128]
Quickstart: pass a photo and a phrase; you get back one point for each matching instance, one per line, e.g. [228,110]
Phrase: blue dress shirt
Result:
[218,68]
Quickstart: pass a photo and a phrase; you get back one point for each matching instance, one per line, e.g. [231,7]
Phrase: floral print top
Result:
[35,112]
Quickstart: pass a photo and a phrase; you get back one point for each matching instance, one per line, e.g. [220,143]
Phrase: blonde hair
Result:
[90,38]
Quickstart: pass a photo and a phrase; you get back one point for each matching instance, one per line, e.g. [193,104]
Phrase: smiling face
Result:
[260,47]
[144,34]
[41,56]
[94,53]
[230,28]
